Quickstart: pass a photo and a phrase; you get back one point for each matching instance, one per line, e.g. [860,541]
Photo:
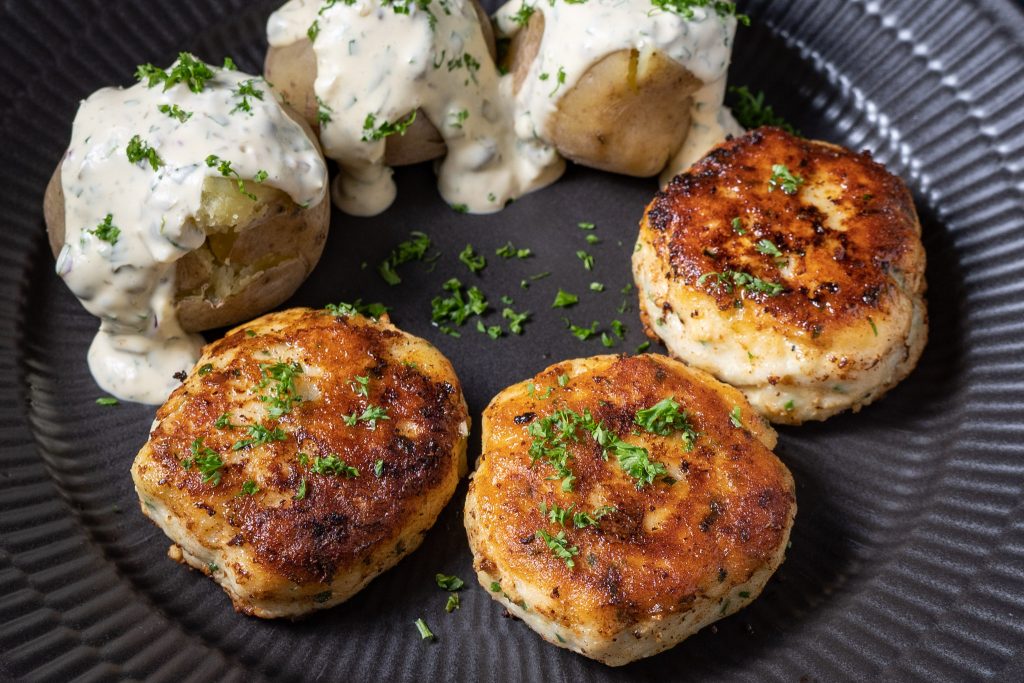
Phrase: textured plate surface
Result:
[907,560]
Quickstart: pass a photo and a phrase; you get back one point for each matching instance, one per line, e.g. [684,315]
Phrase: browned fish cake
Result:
[791,269]
[306,453]
[654,558]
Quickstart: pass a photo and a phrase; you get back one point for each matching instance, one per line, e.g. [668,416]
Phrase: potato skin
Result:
[292,69]
[272,254]
[628,113]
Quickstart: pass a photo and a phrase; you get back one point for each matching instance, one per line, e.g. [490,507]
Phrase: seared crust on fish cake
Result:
[659,558]
[791,269]
[306,453]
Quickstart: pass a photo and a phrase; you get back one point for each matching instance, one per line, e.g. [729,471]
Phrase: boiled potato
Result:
[627,114]
[292,69]
[256,253]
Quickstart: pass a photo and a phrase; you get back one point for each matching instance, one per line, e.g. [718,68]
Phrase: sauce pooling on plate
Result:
[579,34]
[133,180]
[378,63]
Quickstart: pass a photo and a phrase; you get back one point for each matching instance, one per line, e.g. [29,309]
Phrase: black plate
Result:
[908,553]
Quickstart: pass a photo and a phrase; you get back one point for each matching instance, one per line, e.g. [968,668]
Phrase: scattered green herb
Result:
[334,466]
[783,179]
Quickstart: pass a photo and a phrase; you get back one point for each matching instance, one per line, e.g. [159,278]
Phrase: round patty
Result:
[307,452]
[621,504]
[789,268]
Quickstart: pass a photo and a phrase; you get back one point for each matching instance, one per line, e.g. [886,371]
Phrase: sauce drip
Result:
[378,63]
[128,278]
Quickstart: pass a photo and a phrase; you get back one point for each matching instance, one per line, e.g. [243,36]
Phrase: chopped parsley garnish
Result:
[323,112]
[522,17]
[460,208]
[300,492]
[107,401]
[138,150]
[495,587]
[188,70]
[607,341]
[664,418]
[107,231]
[206,460]
[282,396]
[563,380]
[619,329]
[448,582]
[175,112]
[424,630]
[559,81]
[372,132]
[588,260]
[874,328]
[783,179]
[788,406]
[737,226]
[245,90]
[260,435]
[515,320]
[224,422]
[583,519]
[768,248]
[249,488]
[458,307]
[205,369]
[751,111]
[508,251]
[370,415]
[472,260]
[452,604]
[582,333]
[551,437]
[592,239]
[684,8]
[564,299]
[224,168]
[313,31]
[728,279]
[378,469]
[596,287]
[459,118]
[334,466]
[579,518]
[636,462]
[229,64]
[736,417]
[492,331]
[413,249]
[643,347]
[357,307]
[586,225]
[360,384]
[559,547]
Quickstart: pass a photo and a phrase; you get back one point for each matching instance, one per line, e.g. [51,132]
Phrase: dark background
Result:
[908,551]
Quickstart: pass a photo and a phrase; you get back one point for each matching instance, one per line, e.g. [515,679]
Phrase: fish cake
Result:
[306,453]
[621,504]
[791,269]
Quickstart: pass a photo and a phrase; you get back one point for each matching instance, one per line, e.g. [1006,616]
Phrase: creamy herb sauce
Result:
[578,35]
[130,283]
[377,63]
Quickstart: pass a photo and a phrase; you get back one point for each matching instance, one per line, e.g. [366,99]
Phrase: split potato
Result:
[627,114]
[292,69]
[255,256]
